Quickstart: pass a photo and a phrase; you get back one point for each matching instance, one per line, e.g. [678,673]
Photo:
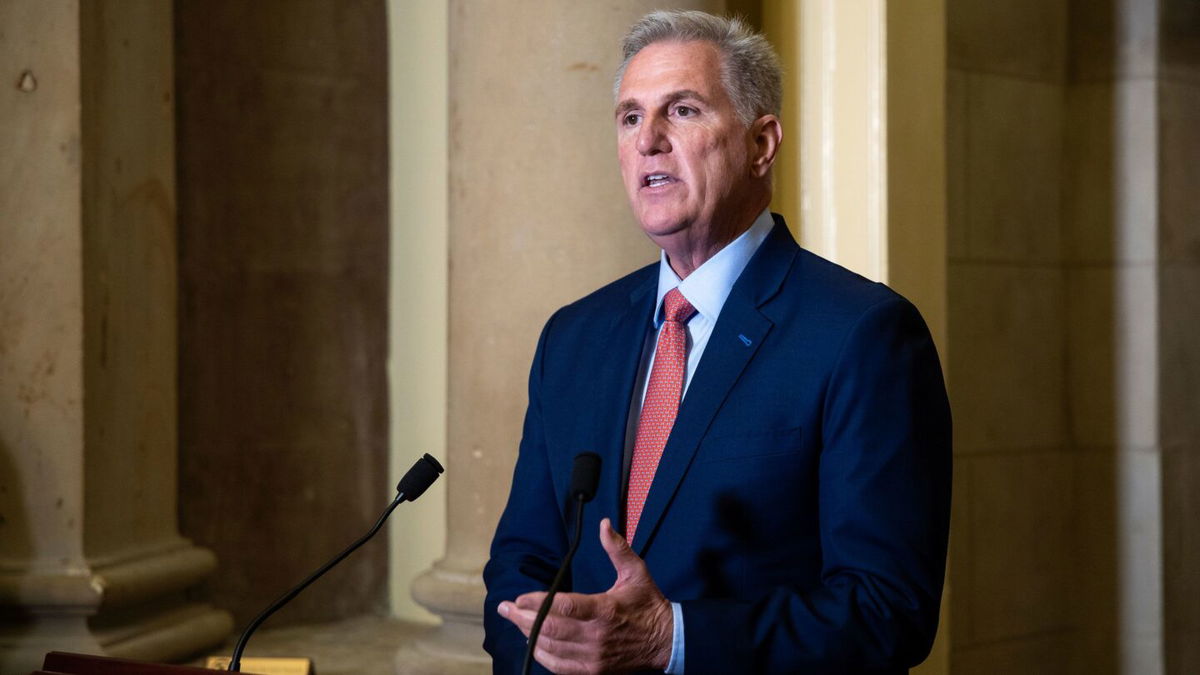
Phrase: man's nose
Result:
[652,138]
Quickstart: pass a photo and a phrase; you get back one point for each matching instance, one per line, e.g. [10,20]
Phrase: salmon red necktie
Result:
[660,405]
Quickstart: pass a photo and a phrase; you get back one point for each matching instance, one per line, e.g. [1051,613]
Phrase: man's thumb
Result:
[624,560]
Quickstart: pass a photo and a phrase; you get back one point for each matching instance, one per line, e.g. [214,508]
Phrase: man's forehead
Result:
[665,70]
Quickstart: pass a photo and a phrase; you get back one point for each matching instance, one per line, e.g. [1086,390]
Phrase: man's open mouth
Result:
[657,179]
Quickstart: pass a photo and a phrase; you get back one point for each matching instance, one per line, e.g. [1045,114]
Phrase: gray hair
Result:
[750,70]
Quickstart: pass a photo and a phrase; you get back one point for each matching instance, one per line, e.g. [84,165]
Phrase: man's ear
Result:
[766,133]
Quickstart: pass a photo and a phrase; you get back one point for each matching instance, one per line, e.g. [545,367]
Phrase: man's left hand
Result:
[627,627]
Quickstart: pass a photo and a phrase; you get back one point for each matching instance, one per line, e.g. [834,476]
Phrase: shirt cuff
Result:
[675,665]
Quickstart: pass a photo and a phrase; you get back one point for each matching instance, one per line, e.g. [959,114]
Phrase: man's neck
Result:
[686,254]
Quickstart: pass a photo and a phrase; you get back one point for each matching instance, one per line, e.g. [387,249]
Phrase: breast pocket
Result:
[751,445]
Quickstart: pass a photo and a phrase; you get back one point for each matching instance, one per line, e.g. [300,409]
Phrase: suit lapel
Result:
[623,341]
[740,330]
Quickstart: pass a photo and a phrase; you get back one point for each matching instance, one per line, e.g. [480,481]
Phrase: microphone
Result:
[419,478]
[585,475]
[412,485]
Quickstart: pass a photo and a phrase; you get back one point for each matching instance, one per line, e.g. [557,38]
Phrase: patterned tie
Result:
[660,405]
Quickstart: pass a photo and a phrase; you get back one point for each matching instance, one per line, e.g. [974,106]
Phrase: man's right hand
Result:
[628,627]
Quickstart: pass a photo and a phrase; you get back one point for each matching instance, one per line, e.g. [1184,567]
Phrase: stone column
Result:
[90,555]
[537,218]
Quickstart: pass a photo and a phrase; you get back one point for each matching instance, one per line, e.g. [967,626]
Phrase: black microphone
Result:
[419,478]
[585,475]
[412,485]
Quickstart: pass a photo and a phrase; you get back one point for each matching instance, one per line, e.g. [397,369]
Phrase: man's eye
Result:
[630,119]
[685,111]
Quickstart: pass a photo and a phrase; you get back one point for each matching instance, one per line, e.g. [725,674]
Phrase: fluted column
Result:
[90,555]
[537,218]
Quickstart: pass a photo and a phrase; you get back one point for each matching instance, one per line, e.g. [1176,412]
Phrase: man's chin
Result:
[660,225]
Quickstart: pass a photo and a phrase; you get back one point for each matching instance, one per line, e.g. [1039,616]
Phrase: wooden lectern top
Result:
[62,663]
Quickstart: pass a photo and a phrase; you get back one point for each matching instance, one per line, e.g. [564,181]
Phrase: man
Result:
[774,429]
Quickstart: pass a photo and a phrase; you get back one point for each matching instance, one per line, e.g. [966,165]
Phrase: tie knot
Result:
[676,307]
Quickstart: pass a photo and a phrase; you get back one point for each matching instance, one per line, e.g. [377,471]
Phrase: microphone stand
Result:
[584,477]
[418,478]
[236,663]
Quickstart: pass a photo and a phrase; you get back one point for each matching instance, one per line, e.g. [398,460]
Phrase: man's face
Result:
[684,153]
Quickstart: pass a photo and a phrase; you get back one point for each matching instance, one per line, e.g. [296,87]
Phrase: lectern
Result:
[62,663]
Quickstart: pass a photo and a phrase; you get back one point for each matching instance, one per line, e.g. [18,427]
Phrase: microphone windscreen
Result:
[419,477]
[585,476]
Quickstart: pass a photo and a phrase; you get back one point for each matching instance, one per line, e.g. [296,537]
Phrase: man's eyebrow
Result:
[632,104]
[686,93]
[625,106]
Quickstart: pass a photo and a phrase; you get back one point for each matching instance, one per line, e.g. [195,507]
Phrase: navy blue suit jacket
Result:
[801,508]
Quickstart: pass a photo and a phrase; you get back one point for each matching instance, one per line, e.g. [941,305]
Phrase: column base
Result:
[133,609]
[456,647]
[160,637]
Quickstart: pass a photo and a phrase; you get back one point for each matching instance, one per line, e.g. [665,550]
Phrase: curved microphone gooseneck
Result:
[585,475]
[412,485]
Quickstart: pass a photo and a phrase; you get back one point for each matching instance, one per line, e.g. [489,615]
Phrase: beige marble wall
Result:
[1129,175]
[1179,308]
[1110,224]
[1077,404]
[1015,501]
[90,557]
[283,284]
[1051,323]
[129,275]
[41,359]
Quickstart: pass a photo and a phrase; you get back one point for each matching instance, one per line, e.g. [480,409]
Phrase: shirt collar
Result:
[708,286]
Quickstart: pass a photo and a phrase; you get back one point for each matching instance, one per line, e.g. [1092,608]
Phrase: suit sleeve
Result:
[531,537]
[884,511]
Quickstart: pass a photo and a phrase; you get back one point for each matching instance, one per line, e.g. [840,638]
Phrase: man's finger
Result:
[576,605]
[531,600]
[563,636]
[555,663]
[521,618]
[624,560]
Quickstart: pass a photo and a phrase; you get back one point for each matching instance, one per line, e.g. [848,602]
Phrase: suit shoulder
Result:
[831,288]
[614,296]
